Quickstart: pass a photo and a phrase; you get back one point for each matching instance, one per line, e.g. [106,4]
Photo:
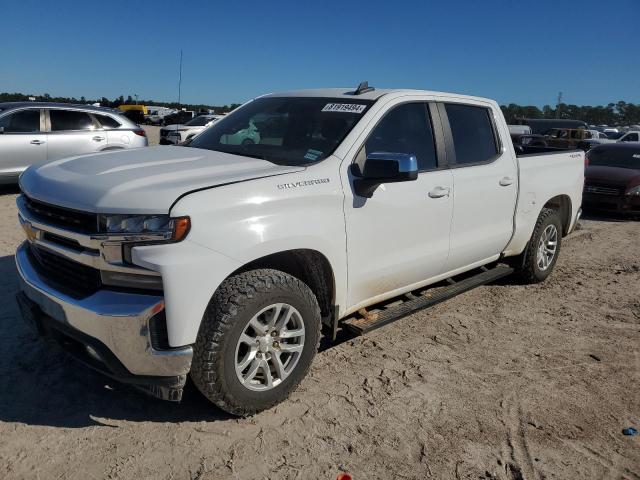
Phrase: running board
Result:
[372,319]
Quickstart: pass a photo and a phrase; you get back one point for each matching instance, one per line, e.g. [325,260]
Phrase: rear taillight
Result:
[140,131]
[586,160]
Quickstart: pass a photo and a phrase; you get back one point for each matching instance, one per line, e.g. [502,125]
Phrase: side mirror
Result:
[383,167]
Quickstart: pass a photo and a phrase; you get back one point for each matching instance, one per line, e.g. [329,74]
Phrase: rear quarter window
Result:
[107,121]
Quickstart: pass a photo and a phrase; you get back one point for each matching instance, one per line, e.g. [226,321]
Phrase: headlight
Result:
[170,228]
[633,191]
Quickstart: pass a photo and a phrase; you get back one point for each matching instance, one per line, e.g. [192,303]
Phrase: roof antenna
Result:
[363,88]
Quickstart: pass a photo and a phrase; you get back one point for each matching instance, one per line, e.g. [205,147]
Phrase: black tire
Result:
[233,305]
[527,267]
[247,141]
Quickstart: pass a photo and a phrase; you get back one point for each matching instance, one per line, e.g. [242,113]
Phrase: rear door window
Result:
[24,121]
[474,138]
[70,120]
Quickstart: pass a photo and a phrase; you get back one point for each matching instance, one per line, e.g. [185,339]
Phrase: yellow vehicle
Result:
[141,108]
[136,113]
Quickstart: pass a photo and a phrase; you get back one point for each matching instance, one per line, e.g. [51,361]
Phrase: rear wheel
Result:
[537,261]
[257,340]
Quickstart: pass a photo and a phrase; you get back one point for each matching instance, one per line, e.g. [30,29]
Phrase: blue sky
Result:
[510,50]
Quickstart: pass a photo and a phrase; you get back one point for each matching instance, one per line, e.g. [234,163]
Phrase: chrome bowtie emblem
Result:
[30,231]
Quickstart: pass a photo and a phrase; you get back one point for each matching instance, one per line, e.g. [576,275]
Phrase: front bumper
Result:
[114,324]
[623,204]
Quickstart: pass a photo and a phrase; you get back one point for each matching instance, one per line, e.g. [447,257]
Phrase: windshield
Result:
[614,135]
[200,121]
[284,130]
[621,158]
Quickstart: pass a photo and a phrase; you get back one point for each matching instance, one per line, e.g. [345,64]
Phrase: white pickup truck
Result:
[223,259]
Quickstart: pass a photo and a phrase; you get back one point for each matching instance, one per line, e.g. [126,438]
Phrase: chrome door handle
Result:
[97,139]
[36,142]
[439,192]
[506,181]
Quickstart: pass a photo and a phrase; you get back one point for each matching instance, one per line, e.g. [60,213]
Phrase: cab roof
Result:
[374,94]
[333,93]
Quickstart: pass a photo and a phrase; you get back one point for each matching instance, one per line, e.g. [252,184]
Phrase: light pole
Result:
[180,78]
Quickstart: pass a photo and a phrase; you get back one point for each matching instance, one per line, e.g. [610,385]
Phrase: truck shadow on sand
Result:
[42,385]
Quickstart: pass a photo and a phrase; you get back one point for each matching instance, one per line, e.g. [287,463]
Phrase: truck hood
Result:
[143,180]
[613,176]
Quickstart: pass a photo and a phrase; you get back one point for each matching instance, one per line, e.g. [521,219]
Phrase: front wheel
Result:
[257,340]
[541,254]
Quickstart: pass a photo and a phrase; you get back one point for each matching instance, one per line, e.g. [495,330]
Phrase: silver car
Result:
[33,132]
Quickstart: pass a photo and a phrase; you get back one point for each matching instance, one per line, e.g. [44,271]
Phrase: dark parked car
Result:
[541,125]
[528,139]
[612,178]
[179,117]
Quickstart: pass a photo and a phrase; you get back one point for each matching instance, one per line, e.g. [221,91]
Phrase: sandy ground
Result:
[504,382]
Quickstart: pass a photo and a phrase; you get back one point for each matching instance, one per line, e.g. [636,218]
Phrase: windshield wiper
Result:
[254,155]
[243,154]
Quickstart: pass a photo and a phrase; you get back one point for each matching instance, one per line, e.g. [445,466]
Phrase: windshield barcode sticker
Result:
[344,107]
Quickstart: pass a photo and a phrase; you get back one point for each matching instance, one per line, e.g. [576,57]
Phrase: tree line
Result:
[121,100]
[620,113]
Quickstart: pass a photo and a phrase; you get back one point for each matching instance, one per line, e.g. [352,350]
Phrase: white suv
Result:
[174,134]
[33,132]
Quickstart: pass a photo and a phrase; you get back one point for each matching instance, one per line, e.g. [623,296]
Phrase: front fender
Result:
[190,275]
[249,220]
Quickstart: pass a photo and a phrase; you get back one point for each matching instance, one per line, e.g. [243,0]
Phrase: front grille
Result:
[601,190]
[70,277]
[78,221]
[65,242]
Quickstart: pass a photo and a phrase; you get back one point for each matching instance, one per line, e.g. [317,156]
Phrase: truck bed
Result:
[529,150]
[545,173]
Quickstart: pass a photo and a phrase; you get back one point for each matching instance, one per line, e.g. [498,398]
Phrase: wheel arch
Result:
[561,204]
[310,266]
[528,214]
